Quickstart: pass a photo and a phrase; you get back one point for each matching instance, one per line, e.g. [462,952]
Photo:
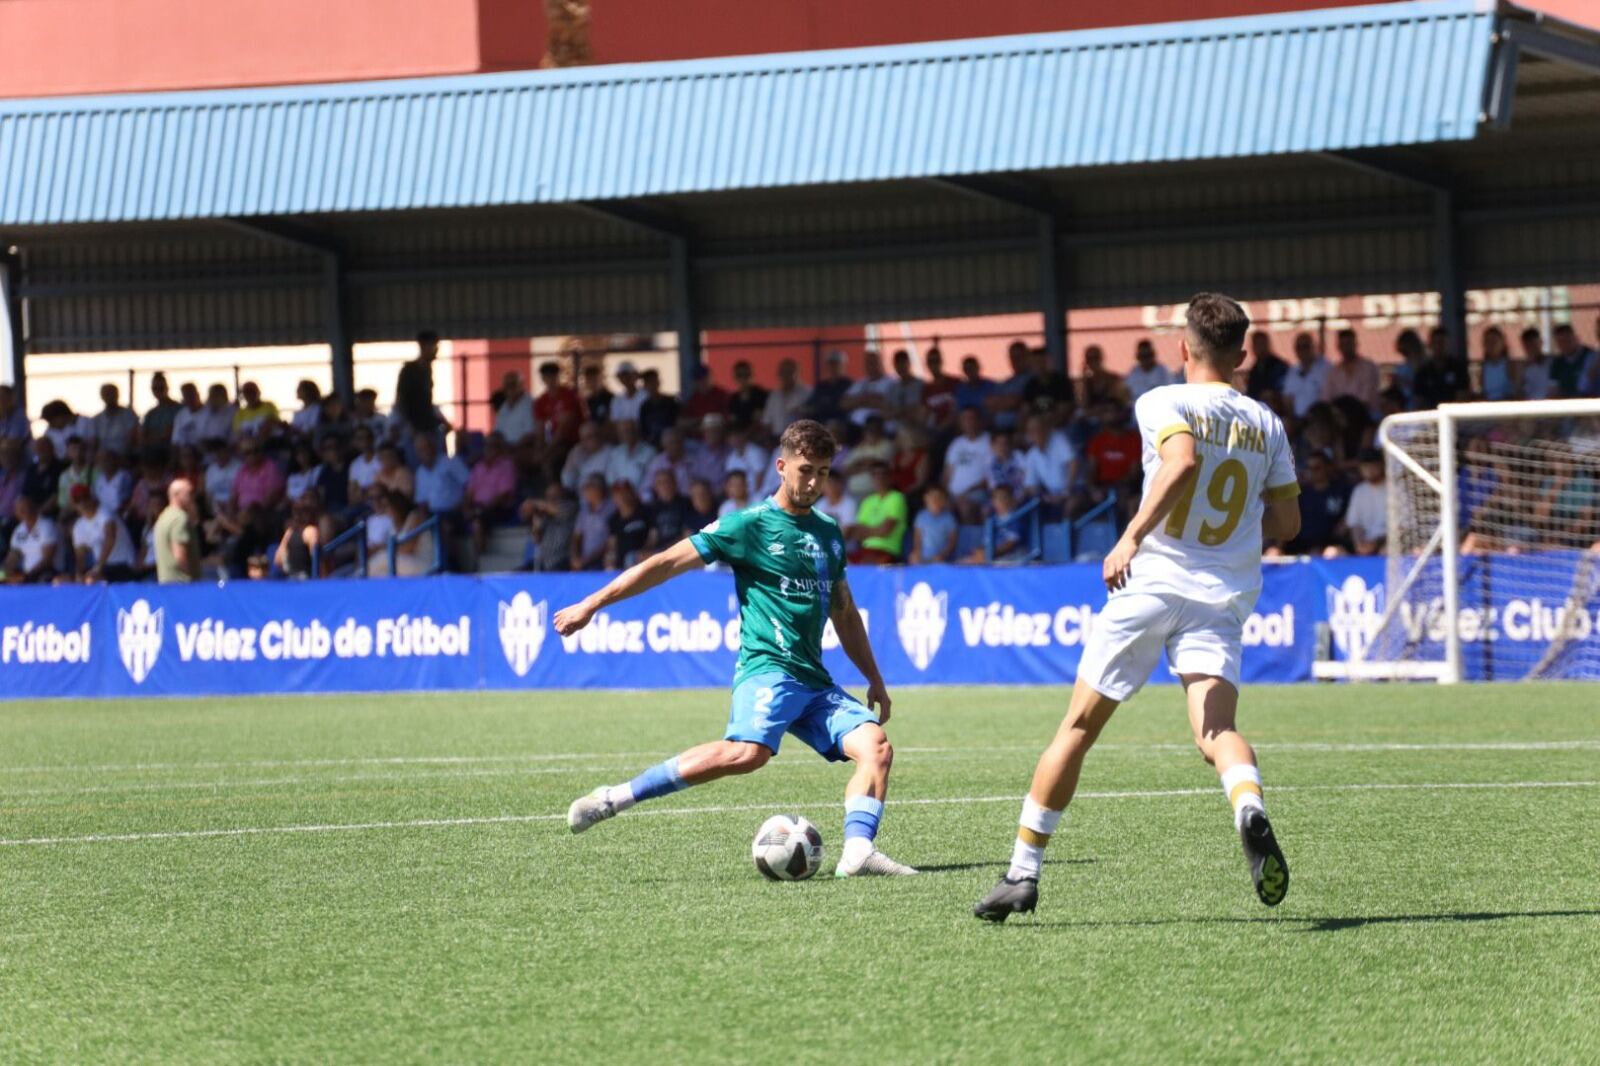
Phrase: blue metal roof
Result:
[1328,80]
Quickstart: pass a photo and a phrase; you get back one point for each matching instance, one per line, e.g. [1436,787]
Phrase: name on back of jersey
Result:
[1229,433]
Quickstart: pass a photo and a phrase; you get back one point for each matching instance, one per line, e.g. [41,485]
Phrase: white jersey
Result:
[1209,547]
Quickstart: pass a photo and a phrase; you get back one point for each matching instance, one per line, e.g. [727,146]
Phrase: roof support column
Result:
[680,269]
[13,344]
[1051,305]
[341,351]
[1447,271]
[1036,201]
[685,314]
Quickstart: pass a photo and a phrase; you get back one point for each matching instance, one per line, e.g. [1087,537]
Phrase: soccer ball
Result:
[787,848]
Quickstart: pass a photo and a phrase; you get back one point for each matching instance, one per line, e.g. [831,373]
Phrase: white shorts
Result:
[1128,636]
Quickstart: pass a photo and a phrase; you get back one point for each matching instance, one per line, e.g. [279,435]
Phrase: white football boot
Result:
[874,864]
[590,810]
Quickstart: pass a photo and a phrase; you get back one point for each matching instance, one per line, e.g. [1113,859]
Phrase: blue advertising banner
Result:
[929,625]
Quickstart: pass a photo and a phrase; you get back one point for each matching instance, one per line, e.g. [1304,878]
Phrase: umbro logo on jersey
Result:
[776,547]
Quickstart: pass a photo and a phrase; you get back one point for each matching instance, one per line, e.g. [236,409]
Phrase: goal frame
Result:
[1447,538]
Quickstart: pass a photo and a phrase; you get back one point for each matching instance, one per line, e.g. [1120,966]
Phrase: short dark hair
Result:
[427,336]
[1565,327]
[1532,331]
[1217,323]
[808,439]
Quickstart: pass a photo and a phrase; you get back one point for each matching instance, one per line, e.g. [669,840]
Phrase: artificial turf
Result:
[1445,903]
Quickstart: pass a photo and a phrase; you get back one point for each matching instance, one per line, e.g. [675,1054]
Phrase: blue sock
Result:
[861,817]
[661,779]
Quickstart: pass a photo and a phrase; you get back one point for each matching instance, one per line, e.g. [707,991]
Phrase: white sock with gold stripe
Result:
[1242,783]
[1033,833]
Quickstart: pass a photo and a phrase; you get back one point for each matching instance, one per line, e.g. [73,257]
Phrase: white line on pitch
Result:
[467,760]
[507,819]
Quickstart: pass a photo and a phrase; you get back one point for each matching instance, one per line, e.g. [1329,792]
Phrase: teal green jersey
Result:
[784,570]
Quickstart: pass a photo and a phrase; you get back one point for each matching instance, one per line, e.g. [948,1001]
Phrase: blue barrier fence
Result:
[929,625]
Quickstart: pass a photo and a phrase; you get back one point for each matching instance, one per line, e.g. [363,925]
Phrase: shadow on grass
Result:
[1322,925]
[1001,864]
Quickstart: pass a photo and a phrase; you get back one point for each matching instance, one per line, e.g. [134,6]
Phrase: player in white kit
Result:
[1218,475]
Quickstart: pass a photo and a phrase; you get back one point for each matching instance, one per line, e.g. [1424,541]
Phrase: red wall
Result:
[647,29]
[57,47]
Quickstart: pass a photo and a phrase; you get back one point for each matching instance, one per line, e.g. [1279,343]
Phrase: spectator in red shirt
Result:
[1114,459]
[939,394]
[558,410]
[704,398]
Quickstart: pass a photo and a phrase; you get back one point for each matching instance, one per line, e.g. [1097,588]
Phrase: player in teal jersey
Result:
[788,569]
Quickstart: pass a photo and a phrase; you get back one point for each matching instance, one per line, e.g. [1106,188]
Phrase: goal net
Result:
[1493,554]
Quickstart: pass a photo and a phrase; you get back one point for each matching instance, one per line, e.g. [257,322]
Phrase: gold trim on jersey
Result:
[1278,493]
[1172,431]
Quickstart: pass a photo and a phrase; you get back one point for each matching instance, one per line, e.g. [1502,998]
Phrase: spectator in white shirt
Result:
[305,420]
[514,419]
[966,466]
[1366,517]
[1049,467]
[115,484]
[186,424]
[116,428]
[216,418]
[1147,374]
[736,489]
[630,457]
[100,542]
[836,503]
[746,456]
[873,394]
[365,466]
[587,458]
[221,469]
[1304,383]
[625,405]
[785,402]
[62,425]
[32,555]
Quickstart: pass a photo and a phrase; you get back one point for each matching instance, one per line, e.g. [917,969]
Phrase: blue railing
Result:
[1093,515]
[1033,539]
[433,526]
[357,533]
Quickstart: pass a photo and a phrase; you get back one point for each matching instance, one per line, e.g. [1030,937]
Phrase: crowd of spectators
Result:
[601,478]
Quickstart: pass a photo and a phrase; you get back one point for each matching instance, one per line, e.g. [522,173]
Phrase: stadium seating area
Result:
[934,467]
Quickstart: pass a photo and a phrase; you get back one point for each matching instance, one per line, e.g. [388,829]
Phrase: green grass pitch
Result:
[391,879]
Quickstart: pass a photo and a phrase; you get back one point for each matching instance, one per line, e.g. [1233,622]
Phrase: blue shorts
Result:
[766,706]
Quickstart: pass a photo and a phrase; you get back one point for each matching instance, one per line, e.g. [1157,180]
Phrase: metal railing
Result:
[1091,515]
[357,533]
[396,540]
[1033,540]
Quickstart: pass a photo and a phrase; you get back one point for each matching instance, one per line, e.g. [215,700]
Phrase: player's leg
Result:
[839,727]
[1206,655]
[762,709]
[1122,651]
[868,747]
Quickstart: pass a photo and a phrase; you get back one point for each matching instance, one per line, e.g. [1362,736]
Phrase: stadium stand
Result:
[1035,472]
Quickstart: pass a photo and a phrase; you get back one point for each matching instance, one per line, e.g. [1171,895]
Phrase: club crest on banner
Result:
[139,639]
[522,631]
[920,619]
[1354,612]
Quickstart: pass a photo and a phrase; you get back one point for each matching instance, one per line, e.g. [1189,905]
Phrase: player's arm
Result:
[853,639]
[1179,467]
[1281,518]
[662,567]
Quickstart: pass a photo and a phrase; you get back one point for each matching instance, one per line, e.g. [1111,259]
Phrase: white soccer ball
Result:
[787,848]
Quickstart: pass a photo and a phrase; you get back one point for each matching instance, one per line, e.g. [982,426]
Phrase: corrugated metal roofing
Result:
[1346,78]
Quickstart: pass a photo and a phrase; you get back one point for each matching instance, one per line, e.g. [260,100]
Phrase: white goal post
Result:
[1493,551]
